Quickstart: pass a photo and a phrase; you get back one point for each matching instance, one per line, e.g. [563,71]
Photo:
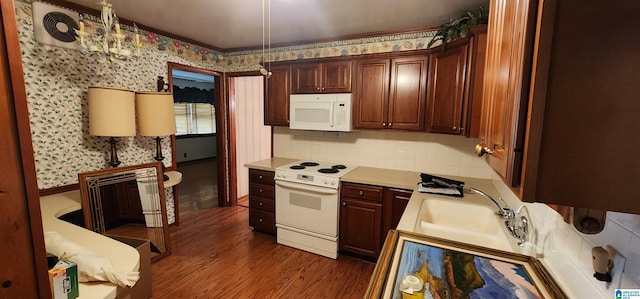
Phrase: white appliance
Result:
[320,112]
[307,206]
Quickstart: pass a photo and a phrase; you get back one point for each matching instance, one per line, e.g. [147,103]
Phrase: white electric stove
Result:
[307,205]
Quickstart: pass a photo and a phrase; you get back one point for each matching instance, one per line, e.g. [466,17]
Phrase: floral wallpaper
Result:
[57,81]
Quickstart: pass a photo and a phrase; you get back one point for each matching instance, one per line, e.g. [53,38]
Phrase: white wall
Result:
[253,138]
[195,148]
[454,155]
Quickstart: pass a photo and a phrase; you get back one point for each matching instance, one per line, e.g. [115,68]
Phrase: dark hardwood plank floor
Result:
[199,187]
[215,254]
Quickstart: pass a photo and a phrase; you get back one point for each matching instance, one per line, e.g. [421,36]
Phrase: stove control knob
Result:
[333,183]
[326,182]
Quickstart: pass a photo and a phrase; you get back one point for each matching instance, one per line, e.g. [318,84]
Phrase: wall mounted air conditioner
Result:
[55,25]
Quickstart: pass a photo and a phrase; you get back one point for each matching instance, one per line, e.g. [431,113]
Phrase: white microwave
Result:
[320,112]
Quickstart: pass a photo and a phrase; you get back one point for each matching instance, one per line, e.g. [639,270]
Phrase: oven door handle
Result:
[306,188]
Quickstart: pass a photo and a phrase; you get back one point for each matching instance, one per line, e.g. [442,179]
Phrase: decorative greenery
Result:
[459,28]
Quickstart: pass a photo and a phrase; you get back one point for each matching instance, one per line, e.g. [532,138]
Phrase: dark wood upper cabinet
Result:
[560,120]
[372,93]
[447,89]
[322,77]
[391,93]
[507,71]
[277,91]
[456,81]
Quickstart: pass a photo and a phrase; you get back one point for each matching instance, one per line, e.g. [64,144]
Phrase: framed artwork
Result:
[418,266]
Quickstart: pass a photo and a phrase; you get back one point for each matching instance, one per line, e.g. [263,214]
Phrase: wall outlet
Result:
[185,155]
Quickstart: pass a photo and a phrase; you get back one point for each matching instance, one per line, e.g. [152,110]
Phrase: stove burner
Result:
[310,164]
[328,170]
[339,166]
[297,167]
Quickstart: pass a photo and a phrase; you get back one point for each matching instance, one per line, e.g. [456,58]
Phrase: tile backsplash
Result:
[413,151]
[454,155]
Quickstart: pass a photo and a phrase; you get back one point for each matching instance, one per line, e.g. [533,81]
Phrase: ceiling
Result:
[233,24]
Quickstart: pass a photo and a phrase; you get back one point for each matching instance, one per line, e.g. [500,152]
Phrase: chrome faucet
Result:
[505,213]
[518,227]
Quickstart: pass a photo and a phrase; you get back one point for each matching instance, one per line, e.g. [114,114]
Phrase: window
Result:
[193,107]
[195,118]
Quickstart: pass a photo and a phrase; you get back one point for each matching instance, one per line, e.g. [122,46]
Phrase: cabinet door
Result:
[506,86]
[371,96]
[336,77]
[394,203]
[407,95]
[360,225]
[475,79]
[446,93]
[276,100]
[306,78]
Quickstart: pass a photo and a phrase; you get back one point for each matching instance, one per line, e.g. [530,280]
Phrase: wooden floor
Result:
[215,254]
[199,187]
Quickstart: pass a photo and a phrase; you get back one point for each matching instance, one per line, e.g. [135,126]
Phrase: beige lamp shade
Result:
[111,112]
[155,113]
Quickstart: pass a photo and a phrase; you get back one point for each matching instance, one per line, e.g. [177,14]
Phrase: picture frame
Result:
[410,265]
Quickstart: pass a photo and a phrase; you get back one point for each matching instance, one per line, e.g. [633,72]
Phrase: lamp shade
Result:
[111,112]
[155,113]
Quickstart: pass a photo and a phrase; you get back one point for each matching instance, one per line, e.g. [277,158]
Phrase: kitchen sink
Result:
[462,221]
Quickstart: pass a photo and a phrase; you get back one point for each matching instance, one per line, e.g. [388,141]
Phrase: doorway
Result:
[201,133]
[250,140]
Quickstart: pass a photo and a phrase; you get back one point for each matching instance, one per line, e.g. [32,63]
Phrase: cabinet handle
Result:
[481,150]
[389,125]
[260,176]
[323,89]
[384,125]
[344,204]
[317,88]
[260,190]
[361,192]
[260,204]
[454,128]
[260,220]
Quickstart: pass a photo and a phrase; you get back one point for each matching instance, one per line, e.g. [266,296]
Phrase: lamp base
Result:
[114,162]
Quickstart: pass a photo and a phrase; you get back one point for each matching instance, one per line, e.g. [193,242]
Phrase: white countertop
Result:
[123,256]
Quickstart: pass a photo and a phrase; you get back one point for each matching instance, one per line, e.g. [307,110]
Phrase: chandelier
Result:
[107,40]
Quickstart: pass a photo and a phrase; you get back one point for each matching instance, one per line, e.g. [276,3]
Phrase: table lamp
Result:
[155,118]
[112,114]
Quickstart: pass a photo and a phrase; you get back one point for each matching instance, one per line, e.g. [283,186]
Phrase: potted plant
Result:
[458,28]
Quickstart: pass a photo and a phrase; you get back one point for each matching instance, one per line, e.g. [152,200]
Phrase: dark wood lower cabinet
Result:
[360,226]
[394,202]
[367,213]
[262,210]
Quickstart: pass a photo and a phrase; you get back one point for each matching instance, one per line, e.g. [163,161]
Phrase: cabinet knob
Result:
[384,124]
[260,220]
[317,88]
[481,150]
[323,88]
[344,204]
[260,176]
[260,190]
[260,204]
[389,125]
[361,192]
[454,128]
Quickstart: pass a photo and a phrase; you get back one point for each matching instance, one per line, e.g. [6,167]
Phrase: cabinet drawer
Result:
[262,204]
[261,176]
[373,193]
[262,221]
[265,191]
